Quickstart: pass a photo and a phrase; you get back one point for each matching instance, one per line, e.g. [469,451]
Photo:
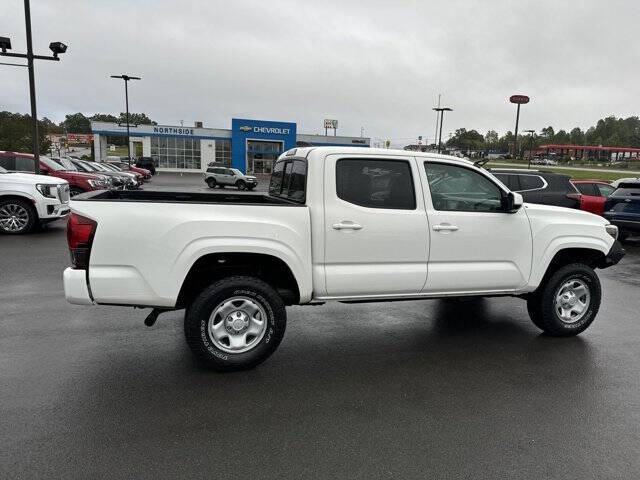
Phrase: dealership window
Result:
[223,152]
[176,152]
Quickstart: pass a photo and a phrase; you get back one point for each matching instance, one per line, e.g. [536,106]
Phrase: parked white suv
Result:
[27,200]
[222,177]
[341,224]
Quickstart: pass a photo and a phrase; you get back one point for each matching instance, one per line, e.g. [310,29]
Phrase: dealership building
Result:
[250,145]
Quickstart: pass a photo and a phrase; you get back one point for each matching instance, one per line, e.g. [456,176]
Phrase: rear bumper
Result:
[76,290]
[616,252]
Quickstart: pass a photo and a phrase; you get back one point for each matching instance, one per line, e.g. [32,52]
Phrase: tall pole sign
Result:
[519,100]
[330,124]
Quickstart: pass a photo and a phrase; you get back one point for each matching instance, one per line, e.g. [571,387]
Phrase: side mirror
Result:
[513,202]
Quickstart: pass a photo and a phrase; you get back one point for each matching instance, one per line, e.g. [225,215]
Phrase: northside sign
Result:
[265,130]
[173,130]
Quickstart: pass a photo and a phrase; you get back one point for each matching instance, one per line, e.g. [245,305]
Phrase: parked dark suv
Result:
[545,188]
[146,162]
[622,208]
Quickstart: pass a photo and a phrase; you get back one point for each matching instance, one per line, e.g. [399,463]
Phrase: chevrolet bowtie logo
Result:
[245,129]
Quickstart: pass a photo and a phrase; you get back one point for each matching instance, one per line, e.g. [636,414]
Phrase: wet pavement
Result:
[420,389]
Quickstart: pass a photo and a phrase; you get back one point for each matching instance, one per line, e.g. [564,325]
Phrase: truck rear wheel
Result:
[235,324]
[211,182]
[568,301]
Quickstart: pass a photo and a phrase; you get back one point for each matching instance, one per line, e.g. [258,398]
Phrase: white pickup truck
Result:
[346,224]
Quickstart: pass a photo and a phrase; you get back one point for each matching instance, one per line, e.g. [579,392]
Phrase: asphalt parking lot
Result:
[421,389]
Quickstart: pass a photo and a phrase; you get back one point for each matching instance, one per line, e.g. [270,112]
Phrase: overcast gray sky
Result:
[374,64]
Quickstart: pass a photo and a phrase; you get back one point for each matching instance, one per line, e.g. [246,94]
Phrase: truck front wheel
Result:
[235,324]
[567,302]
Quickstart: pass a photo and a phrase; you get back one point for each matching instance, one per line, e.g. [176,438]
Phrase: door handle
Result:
[347,225]
[445,227]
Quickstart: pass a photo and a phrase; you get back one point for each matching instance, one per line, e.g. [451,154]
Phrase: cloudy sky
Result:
[377,65]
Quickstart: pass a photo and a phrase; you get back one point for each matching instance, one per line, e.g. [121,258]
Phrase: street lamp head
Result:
[126,78]
[57,48]
[5,44]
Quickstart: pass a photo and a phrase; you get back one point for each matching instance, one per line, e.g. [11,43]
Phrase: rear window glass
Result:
[531,182]
[289,179]
[509,180]
[627,192]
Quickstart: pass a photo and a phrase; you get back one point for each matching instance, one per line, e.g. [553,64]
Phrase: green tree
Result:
[466,140]
[491,140]
[577,136]
[76,123]
[15,133]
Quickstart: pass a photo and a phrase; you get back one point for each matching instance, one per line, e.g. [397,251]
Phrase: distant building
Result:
[250,145]
[587,151]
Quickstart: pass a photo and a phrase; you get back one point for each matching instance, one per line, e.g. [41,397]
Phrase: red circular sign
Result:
[519,99]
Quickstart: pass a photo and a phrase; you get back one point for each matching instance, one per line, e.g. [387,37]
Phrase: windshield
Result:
[51,164]
[66,163]
[236,171]
[89,167]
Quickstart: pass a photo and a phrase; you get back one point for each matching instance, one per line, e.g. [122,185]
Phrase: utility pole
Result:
[57,48]
[126,79]
[519,100]
[435,134]
[441,110]
[530,132]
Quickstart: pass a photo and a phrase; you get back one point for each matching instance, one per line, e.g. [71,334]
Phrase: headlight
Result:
[99,183]
[47,190]
[612,230]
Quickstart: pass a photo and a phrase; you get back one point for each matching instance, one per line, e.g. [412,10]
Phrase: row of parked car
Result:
[28,201]
[618,202]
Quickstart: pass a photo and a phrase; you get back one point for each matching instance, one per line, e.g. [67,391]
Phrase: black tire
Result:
[542,303]
[241,184]
[73,191]
[211,182]
[25,213]
[197,322]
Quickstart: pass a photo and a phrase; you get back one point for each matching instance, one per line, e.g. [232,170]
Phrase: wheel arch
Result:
[216,265]
[7,195]
[592,254]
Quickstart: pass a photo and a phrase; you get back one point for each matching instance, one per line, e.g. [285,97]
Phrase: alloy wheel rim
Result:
[572,300]
[237,324]
[13,217]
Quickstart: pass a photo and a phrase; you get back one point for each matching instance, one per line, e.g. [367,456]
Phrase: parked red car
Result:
[79,182]
[124,166]
[593,193]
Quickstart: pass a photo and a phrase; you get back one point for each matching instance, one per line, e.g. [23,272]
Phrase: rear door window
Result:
[627,192]
[375,183]
[587,189]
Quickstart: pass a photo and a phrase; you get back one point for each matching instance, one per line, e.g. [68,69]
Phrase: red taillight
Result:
[80,231]
[577,197]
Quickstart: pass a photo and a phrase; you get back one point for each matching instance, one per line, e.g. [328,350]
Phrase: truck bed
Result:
[184,197]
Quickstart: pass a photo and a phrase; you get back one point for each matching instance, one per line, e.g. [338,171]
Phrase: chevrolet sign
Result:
[272,130]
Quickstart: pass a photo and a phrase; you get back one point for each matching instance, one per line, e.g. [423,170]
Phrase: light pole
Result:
[126,79]
[441,110]
[530,132]
[519,100]
[57,48]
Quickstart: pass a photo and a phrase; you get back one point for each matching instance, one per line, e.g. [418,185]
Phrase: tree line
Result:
[15,128]
[609,131]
